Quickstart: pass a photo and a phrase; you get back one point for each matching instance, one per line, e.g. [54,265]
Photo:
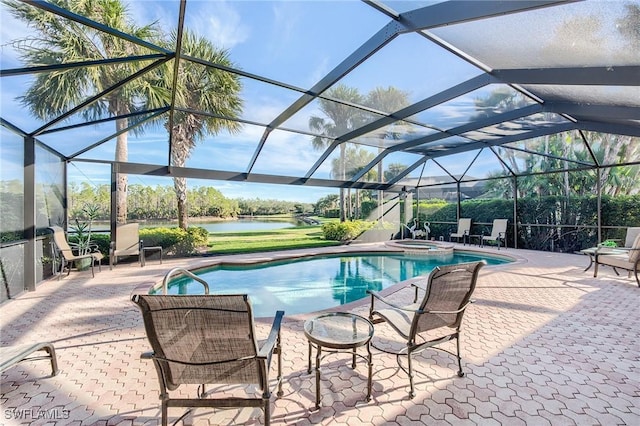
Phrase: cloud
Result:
[285,18]
[217,21]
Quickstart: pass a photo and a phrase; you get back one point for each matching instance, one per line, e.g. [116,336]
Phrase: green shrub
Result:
[175,241]
[345,231]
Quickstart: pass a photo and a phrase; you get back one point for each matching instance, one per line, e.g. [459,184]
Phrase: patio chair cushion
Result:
[631,238]
[616,261]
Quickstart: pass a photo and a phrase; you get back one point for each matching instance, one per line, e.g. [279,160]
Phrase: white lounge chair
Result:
[12,355]
[64,254]
[498,232]
[127,244]
[464,228]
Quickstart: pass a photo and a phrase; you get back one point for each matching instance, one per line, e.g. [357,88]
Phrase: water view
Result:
[240,225]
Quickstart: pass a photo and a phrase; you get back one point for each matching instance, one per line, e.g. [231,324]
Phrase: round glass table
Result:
[339,332]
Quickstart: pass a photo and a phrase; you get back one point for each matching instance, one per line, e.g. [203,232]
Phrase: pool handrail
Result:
[176,271]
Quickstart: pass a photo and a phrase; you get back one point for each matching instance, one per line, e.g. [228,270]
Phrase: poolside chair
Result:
[498,233]
[628,260]
[464,228]
[63,253]
[446,296]
[209,339]
[632,234]
[12,355]
[127,243]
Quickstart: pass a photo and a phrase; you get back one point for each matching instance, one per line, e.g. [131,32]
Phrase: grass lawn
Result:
[275,239]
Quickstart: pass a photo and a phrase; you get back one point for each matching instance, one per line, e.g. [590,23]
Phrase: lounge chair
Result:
[464,228]
[12,355]
[632,234]
[498,233]
[63,253]
[446,296]
[628,260]
[127,243]
[209,339]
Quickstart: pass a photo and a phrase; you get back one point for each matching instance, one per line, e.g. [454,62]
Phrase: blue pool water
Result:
[316,283]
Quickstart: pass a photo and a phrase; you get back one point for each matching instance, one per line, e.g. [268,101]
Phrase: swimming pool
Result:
[315,283]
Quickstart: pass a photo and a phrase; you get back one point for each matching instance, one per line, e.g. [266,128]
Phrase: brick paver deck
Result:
[544,344]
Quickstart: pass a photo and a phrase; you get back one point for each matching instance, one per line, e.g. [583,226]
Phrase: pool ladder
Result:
[182,271]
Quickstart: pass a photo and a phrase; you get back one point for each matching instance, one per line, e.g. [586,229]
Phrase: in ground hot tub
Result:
[426,248]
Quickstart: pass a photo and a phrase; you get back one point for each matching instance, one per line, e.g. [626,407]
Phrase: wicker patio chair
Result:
[498,233]
[209,340]
[446,296]
[63,253]
[127,243]
[464,228]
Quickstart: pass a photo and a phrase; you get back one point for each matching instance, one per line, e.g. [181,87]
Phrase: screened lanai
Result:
[411,100]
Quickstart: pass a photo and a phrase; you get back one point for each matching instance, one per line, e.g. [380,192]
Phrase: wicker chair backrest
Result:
[449,289]
[203,338]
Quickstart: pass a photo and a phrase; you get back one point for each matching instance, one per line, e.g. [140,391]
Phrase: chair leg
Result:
[279,352]
[460,372]
[165,412]
[412,392]
[267,413]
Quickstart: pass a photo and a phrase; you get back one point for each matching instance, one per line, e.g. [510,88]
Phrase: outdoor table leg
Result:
[310,348]
[353,359]
[590,262]
[318,378]
[370,361]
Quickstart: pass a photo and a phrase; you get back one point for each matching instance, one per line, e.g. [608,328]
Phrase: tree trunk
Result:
[178,159]
[343,216]
[180,185]
[122,155]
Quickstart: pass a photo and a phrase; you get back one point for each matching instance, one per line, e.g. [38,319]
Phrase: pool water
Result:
[316,283]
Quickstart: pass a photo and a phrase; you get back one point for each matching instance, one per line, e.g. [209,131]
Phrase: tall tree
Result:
[199,88]
[339,119]
[58,41]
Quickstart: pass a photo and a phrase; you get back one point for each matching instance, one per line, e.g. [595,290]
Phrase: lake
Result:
[240,225]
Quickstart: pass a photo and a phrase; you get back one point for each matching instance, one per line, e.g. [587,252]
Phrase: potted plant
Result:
[82,230]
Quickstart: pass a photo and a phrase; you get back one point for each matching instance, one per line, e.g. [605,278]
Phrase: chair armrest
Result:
[375,295]
[267,348]
[417,287]
[449,312]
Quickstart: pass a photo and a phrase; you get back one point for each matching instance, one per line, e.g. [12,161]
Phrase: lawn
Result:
[257,241]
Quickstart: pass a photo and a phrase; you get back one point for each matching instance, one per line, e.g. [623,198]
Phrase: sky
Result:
[293,42]
[261,37]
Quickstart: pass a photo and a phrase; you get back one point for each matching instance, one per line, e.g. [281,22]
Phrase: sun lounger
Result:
[12,355]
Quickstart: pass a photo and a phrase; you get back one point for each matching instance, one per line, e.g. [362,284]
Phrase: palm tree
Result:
[61,41]
[340,119]
[388,100]
[199,88]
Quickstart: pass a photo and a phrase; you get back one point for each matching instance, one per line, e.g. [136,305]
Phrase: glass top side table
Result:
[340,332]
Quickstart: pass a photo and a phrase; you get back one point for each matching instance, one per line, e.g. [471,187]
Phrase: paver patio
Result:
[544,344]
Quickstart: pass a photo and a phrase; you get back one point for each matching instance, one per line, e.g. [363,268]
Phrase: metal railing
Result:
[182,271]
